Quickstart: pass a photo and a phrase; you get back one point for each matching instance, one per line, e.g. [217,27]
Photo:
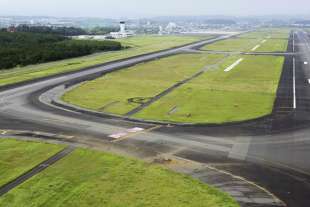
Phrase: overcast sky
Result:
[147,8]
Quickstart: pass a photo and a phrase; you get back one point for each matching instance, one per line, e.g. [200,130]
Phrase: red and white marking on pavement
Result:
[120,135]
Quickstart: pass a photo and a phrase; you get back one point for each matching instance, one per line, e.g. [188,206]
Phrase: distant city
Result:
[157,25]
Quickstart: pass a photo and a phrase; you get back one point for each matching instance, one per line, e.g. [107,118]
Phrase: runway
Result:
[272,152]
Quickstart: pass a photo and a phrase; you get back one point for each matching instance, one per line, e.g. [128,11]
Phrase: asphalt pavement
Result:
[272,152]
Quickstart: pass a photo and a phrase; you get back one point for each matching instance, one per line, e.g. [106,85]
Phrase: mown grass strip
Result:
[88,178]
[17,157]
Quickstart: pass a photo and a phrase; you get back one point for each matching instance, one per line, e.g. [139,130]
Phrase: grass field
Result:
[273,45]
[234,44]
[88,178]
[18,157]
[247,45]
[267,40]
[140,45]
[246,92]
[268,33]
[111,92]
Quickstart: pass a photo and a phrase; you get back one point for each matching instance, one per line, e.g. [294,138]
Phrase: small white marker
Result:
[257,46]
[309,81]
[233,65]
[264,41]
[306,63]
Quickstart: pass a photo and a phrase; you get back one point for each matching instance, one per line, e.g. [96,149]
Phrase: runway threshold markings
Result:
[255,48]
[130,133]
[233,65]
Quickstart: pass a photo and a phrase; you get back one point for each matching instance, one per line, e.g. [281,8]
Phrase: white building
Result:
[123,33]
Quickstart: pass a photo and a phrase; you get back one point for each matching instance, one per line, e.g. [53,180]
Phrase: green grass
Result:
[234,44]
[89,178]
[246,92]
[276,41]
[17,157]
[273,45]
[246,45]
[111,92]
[141,45]
[268,32]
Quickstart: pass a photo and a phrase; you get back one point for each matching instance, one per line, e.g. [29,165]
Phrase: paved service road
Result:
[272,153]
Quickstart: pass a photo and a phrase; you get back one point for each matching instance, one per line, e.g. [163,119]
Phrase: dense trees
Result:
[31,48]
[66,31]
[102,30]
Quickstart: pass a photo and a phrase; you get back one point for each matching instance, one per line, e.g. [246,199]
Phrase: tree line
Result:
[65,31]
[25,48]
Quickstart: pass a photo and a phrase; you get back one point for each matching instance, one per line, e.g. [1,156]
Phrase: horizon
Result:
[140,9]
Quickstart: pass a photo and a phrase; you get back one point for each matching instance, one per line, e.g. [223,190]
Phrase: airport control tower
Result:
[122,27]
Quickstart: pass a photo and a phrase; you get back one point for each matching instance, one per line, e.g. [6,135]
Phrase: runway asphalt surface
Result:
[272,152]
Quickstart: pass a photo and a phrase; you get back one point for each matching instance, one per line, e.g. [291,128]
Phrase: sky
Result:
[151,8]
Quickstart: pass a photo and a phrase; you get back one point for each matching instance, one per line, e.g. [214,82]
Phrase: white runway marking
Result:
[309,81]
[264,41]
[257,46]
[127,133]
[294,83]
[134,130]
[118,135]
[306,63]
[293,41]
[233,65]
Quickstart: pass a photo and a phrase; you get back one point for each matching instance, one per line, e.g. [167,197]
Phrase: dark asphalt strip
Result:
[167,91]
[34,171]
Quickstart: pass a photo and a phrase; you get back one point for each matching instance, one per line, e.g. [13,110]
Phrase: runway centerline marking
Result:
[294,83]
[233,65]
[293,41]
[257,46]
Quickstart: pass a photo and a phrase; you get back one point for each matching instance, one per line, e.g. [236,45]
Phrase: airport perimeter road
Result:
[278,162]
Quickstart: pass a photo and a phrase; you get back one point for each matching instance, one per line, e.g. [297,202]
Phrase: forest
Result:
[26,48]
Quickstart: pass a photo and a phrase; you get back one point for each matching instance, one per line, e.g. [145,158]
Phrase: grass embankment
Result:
[246,92]
[112,92]
[141,45]
[18,157]
[88,178]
